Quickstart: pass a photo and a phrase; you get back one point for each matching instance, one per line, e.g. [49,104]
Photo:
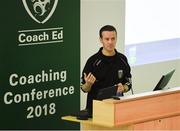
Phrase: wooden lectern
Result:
[158,110]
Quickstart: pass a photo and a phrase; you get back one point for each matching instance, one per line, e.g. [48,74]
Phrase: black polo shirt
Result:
[105,69]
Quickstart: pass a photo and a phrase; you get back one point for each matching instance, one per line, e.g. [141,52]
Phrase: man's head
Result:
[108,38]
[107,28]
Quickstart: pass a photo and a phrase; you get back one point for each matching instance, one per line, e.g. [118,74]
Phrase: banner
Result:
[39,63]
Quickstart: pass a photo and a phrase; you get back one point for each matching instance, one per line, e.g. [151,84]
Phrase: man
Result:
[105,68]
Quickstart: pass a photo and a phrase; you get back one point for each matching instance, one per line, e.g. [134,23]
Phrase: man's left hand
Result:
[120,88]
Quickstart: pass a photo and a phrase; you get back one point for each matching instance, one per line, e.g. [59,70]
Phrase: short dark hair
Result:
[107,28]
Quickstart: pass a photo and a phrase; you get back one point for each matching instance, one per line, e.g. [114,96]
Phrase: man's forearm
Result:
[126,88]
[85,87]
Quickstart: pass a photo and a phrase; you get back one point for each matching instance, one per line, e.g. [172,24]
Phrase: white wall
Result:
[95,14]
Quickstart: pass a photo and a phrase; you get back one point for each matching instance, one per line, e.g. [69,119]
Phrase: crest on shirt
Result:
[120,74]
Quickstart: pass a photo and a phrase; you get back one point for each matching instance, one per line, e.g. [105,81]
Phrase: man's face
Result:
[109,40]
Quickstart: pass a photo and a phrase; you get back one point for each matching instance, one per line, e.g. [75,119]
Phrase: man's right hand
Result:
[89,79]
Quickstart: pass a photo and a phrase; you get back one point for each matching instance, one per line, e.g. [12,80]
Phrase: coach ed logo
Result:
[40,10]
